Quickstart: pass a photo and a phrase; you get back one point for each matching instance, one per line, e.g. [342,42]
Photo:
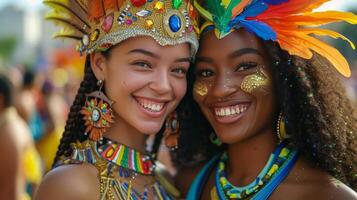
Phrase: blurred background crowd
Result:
[39,77]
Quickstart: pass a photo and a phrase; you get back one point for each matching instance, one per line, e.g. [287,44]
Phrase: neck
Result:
[123,133]
[247,158]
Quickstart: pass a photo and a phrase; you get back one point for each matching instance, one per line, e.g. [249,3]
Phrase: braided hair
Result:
[74,129]
[319,118]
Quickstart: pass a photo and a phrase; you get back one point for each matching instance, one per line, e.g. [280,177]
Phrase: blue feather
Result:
[260,29]
[275,2]
[254,9]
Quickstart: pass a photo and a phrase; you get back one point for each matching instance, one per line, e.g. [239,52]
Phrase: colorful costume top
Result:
[118,167]
[290,23]
[100,24]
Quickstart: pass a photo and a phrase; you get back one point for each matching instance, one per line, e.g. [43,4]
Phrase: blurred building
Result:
[32,33]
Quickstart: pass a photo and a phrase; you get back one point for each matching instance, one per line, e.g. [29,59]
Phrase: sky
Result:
[36,4]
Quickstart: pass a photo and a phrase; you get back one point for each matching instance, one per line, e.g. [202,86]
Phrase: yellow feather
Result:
[206,14]
[324,32]
[320,18]
[325,50]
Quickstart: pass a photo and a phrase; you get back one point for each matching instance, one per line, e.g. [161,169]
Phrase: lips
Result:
[231,110]
[150,104]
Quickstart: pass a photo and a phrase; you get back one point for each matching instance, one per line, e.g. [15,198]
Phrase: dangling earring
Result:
[214,139]
[172,131]
[280,128]
[98,114]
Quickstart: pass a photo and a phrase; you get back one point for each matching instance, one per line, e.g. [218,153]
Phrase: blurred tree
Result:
[7,47]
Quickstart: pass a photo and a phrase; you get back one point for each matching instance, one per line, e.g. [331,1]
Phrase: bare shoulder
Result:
[78,182]
[307,182]
[185,176]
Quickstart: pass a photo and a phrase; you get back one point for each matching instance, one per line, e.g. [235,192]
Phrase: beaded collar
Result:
[126,157]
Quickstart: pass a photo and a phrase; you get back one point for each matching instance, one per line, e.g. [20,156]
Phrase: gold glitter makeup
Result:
[254,81]
[200,88]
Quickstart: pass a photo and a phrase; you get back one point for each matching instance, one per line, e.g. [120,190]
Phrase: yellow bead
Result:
[149,23]
[159,6]
[94,36]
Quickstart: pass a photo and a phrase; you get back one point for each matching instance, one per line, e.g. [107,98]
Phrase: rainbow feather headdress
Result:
[99,24]
[290,23]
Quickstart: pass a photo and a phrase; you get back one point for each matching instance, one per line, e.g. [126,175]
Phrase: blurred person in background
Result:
[20,163]
[56,109]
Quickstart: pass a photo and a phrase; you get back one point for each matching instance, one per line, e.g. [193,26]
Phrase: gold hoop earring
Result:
[280,128]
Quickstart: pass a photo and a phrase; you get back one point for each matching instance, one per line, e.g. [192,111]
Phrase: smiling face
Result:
[145,80]
[233,85]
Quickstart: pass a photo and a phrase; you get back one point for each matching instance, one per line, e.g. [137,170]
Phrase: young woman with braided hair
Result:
[287,128]
[138,54]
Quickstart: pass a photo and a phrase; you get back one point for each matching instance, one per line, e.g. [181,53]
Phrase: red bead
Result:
[138,3]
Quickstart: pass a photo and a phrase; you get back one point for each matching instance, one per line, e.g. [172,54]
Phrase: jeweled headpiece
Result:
[290,23]
[99,24]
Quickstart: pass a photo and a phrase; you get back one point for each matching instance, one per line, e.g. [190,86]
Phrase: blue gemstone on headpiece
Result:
[175,23]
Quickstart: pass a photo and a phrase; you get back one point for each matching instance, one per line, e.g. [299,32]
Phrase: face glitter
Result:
[254,81]
[200,89]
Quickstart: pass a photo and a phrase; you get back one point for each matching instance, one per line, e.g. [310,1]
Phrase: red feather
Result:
[110,5]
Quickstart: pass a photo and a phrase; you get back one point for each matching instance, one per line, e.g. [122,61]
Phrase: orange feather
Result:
[96,9]
[239,8]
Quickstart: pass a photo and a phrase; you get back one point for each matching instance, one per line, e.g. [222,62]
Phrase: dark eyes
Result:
[204,73]
[245,66]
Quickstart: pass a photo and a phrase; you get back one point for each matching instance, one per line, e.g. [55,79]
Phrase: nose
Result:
[224,86]
[161,83]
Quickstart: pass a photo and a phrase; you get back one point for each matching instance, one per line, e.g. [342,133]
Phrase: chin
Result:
[150,128]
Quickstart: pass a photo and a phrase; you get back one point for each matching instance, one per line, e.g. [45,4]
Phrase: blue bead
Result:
[134,18]
[174,23]
[129,14]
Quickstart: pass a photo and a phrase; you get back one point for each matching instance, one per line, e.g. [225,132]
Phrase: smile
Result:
[150,105]
[230,111]
[230,114]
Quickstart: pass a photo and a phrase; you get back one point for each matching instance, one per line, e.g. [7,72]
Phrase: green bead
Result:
[176,3]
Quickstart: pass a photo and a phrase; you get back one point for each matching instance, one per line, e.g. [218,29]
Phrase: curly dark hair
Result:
[319,117]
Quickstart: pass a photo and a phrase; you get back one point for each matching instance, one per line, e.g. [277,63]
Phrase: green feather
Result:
[222,12]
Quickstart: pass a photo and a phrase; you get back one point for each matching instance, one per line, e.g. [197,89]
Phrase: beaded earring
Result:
[97,113]
[172,131]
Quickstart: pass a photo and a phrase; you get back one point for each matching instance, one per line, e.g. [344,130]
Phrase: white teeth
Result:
[230,111]
[151,106]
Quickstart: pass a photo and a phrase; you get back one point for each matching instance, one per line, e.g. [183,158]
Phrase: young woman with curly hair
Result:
[287,127]
[135,77]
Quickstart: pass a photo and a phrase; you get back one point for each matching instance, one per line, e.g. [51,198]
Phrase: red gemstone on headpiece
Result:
[108,23]
[138,3]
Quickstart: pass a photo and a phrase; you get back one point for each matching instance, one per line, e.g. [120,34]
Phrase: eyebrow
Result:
[241,52]
[148,53]
[145,52]
[188,59]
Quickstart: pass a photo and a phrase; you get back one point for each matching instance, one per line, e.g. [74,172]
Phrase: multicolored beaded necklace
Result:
[118,167]
[127,158]
[276,169]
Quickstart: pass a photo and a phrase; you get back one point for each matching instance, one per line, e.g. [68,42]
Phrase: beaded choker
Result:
[277,167]
[126,157]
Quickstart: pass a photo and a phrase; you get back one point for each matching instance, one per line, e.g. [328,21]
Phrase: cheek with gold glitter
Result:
[255,81]
[200,89]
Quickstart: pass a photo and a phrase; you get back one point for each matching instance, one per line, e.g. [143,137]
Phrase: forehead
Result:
[149,44]
[239,39]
